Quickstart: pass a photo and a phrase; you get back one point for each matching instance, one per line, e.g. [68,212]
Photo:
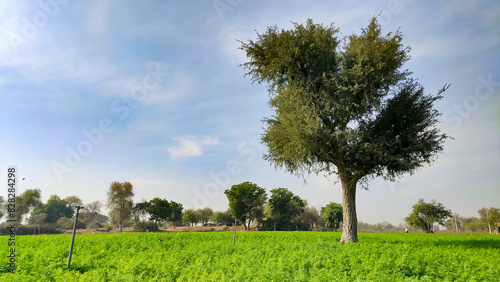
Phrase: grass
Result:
[293,256]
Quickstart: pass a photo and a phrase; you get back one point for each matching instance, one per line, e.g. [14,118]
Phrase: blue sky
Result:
[99,91]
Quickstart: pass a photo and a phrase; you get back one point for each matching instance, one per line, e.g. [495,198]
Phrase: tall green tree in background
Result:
[343,106]
[190,217]
[424,215]
[204,215]
[332,215]
[285,206]
[120,200]
[54,209]
[159,210]
[246,202]
[175,215]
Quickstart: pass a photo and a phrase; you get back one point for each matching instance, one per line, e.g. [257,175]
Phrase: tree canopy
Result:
[343,106]
[246,202]
[190,217]
[54,209]
[204,215]
[223,218]
[332,215]
[175,215]
[28,200]
[284,207]
[120,200]
[424,215]
[159,210]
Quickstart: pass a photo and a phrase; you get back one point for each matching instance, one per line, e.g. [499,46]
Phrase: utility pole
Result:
[73,238]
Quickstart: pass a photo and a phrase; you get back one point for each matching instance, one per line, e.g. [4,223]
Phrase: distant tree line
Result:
[249,205]
[425,215]
[55,215]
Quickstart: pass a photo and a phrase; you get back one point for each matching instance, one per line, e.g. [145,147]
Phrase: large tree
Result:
[120,200]
[343,107]
[424,215]
[246,202]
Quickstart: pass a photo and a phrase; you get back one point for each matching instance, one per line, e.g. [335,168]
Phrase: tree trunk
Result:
[350,219]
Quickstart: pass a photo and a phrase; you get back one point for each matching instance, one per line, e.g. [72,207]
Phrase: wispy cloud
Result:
[191,146]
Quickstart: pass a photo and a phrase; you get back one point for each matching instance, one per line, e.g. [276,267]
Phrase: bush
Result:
[30,229]
[66,223]
[142,226]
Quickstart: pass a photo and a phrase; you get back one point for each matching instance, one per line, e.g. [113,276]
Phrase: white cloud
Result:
[191,146]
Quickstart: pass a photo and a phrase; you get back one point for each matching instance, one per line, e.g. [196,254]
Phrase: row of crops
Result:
[256,256]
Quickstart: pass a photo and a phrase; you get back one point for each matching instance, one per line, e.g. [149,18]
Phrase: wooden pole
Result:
[234,236]
[73,238]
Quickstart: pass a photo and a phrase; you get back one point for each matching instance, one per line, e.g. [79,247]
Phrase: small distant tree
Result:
[159,210]
[223,218]
[310,216]
[26,202]
[140,211]
[284,207]
[73,201]
[92,210]
[54,209]
[120,201]
[332,215]
[190,217]
[424,215]
[175,215]
[205,215]
[475,224]
[489,217]
[246,202]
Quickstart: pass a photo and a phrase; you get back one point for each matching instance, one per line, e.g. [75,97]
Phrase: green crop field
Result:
[257,256]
